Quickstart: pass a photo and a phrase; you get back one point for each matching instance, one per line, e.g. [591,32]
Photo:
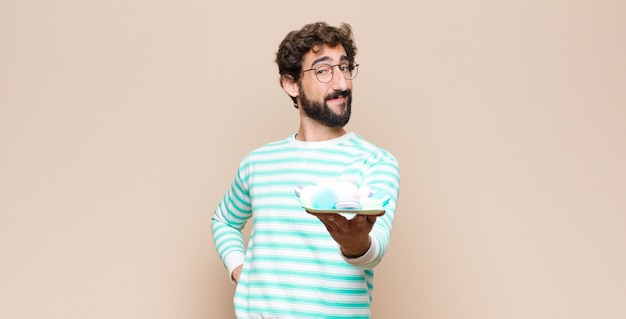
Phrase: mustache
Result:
[338,94]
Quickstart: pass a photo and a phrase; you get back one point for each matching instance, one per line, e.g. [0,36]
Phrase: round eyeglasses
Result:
[324,72]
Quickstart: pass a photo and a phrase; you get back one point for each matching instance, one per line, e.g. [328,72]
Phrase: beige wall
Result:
[122,122]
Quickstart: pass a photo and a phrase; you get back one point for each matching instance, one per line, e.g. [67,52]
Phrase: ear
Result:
[290,85]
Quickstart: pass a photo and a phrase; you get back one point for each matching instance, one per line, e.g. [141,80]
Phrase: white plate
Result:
[377,212]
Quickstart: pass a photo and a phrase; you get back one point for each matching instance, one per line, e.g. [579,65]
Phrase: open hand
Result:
[352,235]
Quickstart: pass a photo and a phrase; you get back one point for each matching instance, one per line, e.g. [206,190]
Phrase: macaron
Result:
[324,198]
[298,189]
[345,189]
[371,203]
[347,203]
[306,195]
[382,196]
[364,191]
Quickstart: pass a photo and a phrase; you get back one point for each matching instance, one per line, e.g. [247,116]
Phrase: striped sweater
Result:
[292,267]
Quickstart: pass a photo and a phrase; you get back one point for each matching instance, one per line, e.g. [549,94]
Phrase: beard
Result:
[321,113]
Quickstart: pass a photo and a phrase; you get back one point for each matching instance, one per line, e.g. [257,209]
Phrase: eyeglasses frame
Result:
[332,71]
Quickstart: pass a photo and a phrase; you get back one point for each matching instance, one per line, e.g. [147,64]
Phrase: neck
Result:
[318,133]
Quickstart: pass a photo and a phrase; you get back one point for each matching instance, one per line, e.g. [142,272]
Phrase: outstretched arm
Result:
[364,239]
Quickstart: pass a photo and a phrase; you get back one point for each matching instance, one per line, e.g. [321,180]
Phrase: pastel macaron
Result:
[371,203]
[347,203]
[363,191]
[324,198]
[345,189]
[306,195]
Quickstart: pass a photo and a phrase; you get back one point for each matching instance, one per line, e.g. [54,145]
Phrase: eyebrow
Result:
[326,58]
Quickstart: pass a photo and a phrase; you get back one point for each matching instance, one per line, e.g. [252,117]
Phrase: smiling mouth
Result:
[338,96]
[340,102]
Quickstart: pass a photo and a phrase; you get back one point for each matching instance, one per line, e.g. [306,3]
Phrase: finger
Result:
[334,219]
[361,218]
[372,219]
[366,218]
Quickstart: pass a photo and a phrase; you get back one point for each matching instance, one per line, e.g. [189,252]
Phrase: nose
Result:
[339,82]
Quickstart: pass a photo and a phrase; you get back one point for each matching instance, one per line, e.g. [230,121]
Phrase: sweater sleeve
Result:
[228,221]
[382,174]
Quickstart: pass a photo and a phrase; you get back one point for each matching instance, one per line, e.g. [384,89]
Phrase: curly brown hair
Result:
[297,43]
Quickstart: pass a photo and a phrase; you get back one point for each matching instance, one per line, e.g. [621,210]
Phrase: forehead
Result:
[324,53]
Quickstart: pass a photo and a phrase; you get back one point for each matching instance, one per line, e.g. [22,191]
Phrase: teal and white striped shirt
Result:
[292,267]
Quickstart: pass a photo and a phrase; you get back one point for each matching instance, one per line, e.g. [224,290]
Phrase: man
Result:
[300,264]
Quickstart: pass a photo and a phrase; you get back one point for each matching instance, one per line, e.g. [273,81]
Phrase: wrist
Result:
[355,252]
[367,260]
